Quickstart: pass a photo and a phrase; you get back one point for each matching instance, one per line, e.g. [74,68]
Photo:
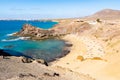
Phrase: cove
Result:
[45,49]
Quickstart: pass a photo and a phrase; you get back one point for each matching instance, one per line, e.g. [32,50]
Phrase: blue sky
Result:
[40,9]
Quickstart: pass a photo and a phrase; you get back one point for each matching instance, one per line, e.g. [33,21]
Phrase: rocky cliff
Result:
[35,33]
[55,32]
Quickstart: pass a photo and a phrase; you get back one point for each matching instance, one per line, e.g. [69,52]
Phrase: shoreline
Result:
[77,60]
[64,52]
[50,70]
[94,52]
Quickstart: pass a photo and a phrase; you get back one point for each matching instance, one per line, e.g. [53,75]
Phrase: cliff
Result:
[57,31]
[35,33]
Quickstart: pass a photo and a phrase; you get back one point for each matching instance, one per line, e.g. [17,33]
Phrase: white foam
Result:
[16,39]
[11,34]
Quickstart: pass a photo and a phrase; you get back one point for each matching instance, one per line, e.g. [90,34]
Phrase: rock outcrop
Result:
[35,33]
[30,60]
[55,32]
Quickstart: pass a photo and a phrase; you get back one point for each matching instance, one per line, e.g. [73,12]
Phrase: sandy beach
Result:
[95,56]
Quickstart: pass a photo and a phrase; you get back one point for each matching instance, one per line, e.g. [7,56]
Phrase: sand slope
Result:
[95,52]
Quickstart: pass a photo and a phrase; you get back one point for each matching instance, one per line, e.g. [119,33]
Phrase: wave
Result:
[11,34]
[16,39]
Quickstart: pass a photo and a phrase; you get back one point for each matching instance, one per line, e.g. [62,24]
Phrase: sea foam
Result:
[11,34]
[16,39]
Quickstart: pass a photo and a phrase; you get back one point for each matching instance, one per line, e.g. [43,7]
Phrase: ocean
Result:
[19,46]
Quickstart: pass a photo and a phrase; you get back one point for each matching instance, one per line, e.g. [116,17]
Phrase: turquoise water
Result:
[45,49]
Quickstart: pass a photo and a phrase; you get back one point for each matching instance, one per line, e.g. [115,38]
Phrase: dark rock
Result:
[3,53]
[66,52]
[21,75]
[46,63]
[47,74]
[56,74]
[69,45]
[42,61]
[27,60]
[51,75]
[26,75]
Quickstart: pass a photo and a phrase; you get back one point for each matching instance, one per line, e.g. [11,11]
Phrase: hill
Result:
[106,14]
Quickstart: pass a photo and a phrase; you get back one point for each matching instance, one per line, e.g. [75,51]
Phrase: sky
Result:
[46,9]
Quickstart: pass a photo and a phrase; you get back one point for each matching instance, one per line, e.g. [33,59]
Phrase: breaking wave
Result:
[11,34]
[16,39]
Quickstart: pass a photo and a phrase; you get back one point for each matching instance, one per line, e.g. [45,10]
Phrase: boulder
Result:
[27,60]
[42,61]
[68,45]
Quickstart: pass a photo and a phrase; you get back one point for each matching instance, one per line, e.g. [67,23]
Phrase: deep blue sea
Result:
[45,49]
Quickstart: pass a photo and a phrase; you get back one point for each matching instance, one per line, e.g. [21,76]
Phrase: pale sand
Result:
[108,68]
[87,49]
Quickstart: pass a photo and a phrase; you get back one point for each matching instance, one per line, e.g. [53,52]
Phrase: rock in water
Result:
[35,33]
[55,32]
[38,33]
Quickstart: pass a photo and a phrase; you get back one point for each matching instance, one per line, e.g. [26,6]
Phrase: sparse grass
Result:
[81,58]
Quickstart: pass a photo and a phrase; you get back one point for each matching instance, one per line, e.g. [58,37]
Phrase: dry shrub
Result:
[97,58]
[98,20]
[81,58]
